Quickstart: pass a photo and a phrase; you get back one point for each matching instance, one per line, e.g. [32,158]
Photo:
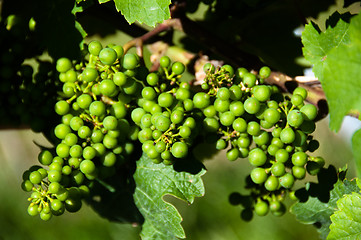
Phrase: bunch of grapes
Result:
[110,103]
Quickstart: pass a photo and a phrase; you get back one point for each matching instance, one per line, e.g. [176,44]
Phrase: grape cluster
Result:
[256,121]
[109,103]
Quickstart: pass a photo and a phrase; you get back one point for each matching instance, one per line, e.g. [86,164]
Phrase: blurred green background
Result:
[210,217]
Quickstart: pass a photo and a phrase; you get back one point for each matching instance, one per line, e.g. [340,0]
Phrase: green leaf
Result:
[356,149]
[346,222]
[318,212]
[149,12]
[153,182]
[337,64]
[318,45]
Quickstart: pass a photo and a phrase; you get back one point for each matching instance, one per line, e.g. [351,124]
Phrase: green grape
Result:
[54,166]
[164,61]
[152,79]
[261,139]
[249,80]
[257,157]
[71,76]
[146,121]
[232,154]
[309,112]
[299,159]
[61,130]
[110,142]
[261,92]
[119,49]
[282,155]
[62,107]
[54,176]
[253,128]
[272,183]
[237,108]
[229,69]
[240,125]
[227,118]
[130,61]
[271,115]
[298,172]
[63,65]
[145,134]
[94,47]
[89,152]
[178,68]
[287,180]
[296,100]
[62,150]
[287,135]
[264,72]
[221,106]
[252,105]
[33,210]
[108,56]
[149,93]
[261,208]
[97,108]
[35,177]
[236,92]
[87,167]
[300,91]
[165,100]
[70,139]
[278,169]
[179,150]
[188,105]
[201,100]
[89,74]
[223,94]
[45,157]
[258,175]
[137,115]
[27,185]
[182,94]
[162,123]
[107,87]
[221,144]
[295,118]
[84,132]
[119,79]
[210,124]
[210,111]
[110,123]
[243,142]
[185,132]
[73,205]
[84,101]
[76,122]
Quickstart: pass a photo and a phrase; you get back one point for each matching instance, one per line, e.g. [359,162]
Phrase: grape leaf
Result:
[317,212]
[346,222]
[318,45]
[153,181]
[339,67]
[149,12]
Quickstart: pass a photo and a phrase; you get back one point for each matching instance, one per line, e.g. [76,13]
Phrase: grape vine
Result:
[125,129]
